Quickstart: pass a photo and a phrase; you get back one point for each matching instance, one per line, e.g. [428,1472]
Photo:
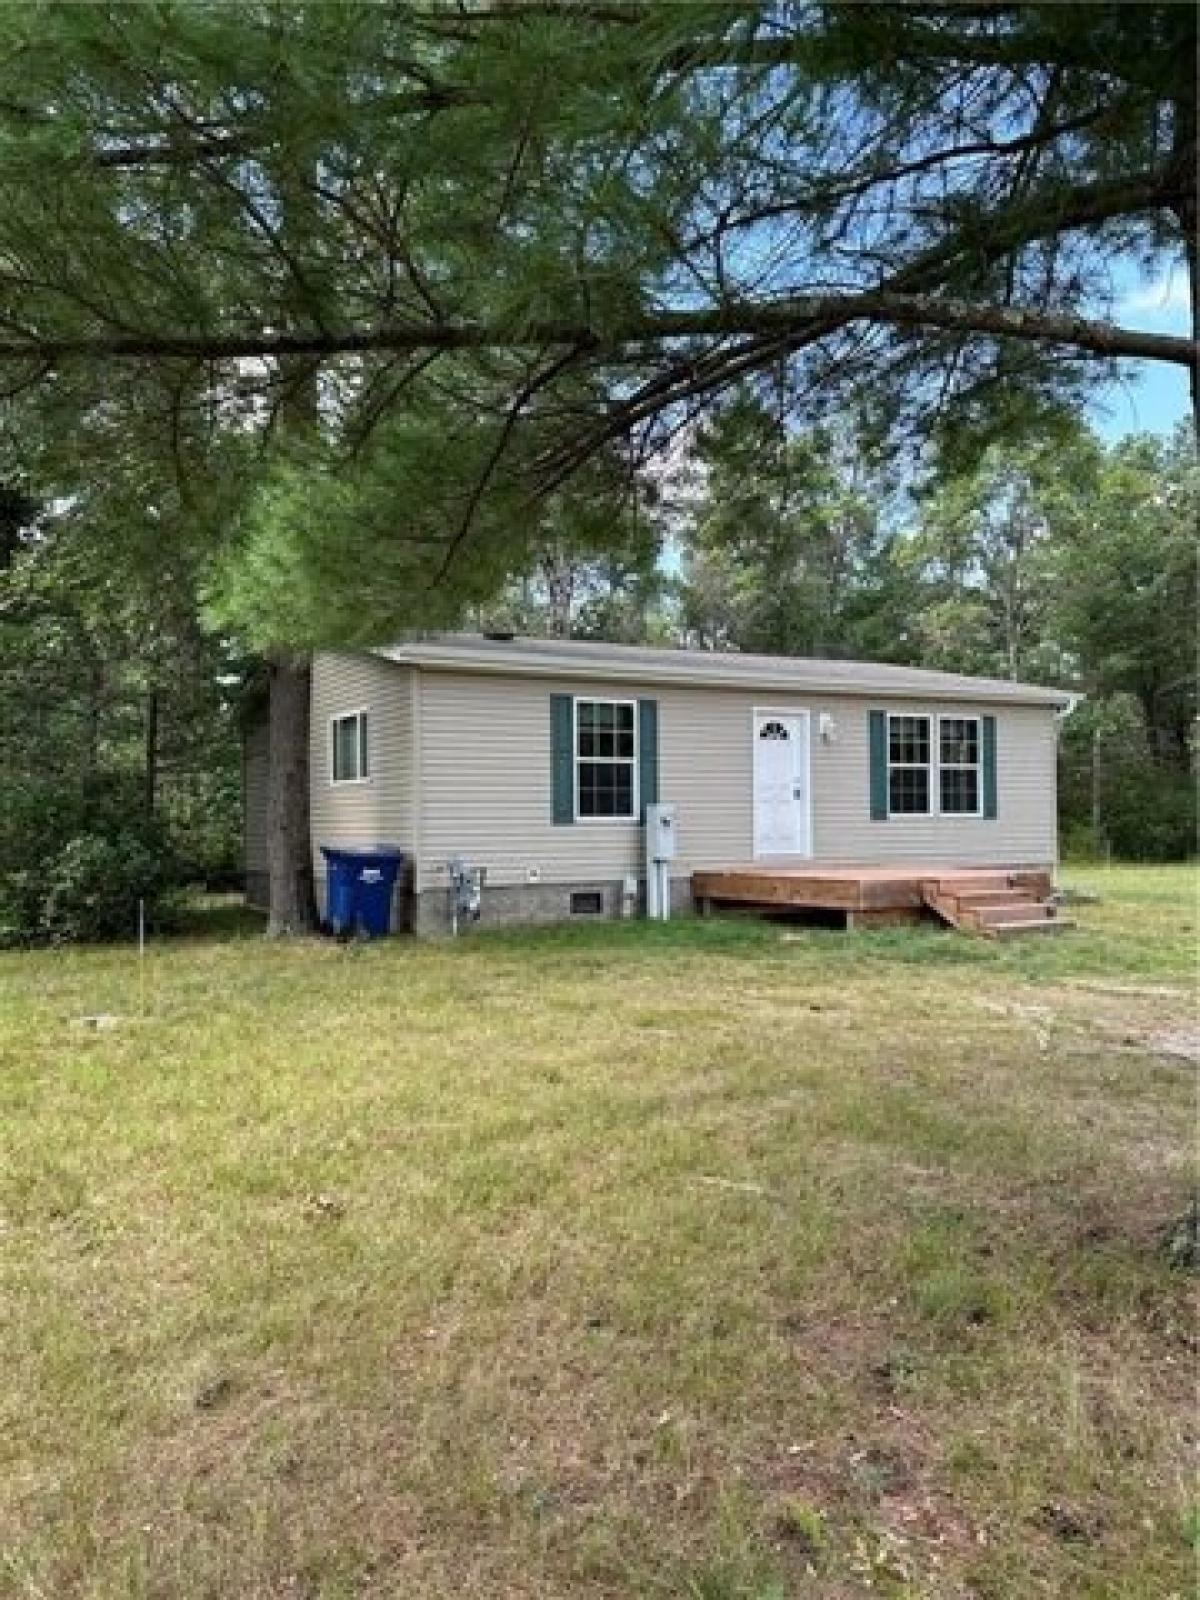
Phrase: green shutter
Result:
[648,753]
[879,766]
[989,767]
[562,757]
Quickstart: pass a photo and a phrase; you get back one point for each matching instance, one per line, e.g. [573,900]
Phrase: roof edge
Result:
[681,668]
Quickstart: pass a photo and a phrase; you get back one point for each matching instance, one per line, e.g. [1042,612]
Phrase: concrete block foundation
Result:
[542,904]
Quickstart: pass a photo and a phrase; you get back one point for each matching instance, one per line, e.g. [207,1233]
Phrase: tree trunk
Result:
[290,897]
[1188,219]
[150,771]
[93,716]
[1167,732]
[1187,155]
[1097,808]
[289,849]
[560,593]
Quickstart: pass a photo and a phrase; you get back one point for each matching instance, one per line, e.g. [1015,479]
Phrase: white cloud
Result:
[1162,295]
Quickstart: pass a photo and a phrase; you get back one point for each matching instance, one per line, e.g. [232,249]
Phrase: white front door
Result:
[782,803]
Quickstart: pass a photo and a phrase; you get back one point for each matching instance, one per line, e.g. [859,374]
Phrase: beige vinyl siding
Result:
[485,782]
[381,809]
[1024,830]
[255,747]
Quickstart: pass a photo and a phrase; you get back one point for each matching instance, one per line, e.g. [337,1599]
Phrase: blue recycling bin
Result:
[360,883]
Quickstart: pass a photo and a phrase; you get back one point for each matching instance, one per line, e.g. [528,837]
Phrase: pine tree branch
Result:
[787,317]
[916,41]
[225,141]
[852,184]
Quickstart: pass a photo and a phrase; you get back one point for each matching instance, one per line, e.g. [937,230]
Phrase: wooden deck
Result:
[976,898]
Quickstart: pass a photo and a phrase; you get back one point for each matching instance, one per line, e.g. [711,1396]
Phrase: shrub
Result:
[1147,806]
[74,864]
[90,888]
[20,907]
[203,815]
[1150,814]
[1078,841]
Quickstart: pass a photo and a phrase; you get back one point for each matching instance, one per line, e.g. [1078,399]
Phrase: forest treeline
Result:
[322,323]
[1065,560]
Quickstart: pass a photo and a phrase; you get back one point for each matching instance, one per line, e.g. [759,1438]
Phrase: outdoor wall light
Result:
[827,727]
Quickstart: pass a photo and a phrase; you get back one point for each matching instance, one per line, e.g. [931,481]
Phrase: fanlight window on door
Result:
[773,730]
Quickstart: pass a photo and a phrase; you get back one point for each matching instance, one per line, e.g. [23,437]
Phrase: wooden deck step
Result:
[1009,930]
[959,887]
[997,910]
[989,897]
[969,906]
[1020,911]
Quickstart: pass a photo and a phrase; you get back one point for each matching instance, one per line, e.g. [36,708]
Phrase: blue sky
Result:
[1151,397]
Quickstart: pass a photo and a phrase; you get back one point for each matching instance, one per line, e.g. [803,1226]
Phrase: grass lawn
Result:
[713,1260]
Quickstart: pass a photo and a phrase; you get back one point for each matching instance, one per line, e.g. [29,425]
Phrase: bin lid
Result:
[364,854]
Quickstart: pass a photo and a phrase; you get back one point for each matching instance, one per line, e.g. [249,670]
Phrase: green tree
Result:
[783,536]
[959,170]
[1123,581]
[619,592]
[980,562]
[119,709]
[119,727]
[1075,562]
[1124,588]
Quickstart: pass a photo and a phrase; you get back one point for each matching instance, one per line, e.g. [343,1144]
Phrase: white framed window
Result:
[935,765]
[960,767]
[910,765]
[606,760]
[349,749]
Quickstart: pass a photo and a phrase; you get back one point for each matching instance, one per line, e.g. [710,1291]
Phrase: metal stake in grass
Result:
[141,923]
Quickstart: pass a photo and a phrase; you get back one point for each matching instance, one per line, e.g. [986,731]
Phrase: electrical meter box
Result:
[661,830]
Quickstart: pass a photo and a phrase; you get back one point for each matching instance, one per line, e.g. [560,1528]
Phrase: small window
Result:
[909,762]
[959,766]
[773,730]
[605,759]
[587,903]
[348,748]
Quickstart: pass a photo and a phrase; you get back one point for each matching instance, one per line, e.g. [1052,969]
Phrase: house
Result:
[535,758]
